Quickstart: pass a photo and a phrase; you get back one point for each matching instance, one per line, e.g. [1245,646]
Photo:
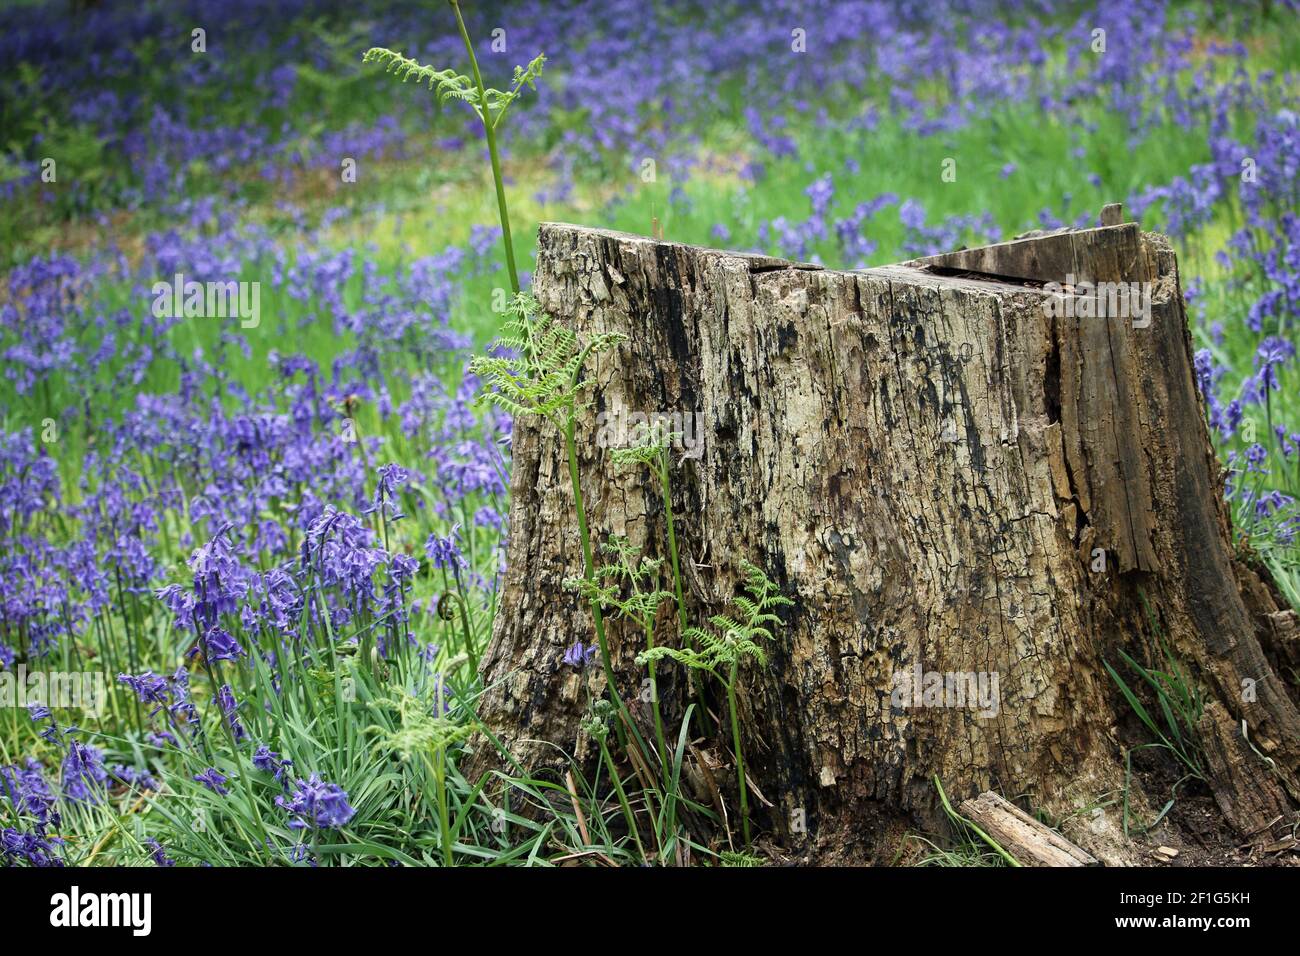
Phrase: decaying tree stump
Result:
[949,477]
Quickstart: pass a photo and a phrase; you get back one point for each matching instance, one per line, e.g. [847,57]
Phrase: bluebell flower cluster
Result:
[314,804]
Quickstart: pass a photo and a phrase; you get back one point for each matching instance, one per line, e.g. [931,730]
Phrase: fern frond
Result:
[541,377]
[446,82]
[417,730]
[491,106]
[499,102]
[638,573]
[635,455]
[684,656]
[731,639]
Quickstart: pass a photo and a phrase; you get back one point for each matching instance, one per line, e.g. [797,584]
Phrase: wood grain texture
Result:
[1032,843]
[928,464]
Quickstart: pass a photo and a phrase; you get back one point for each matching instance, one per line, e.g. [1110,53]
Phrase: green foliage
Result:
[640,604]
[649,450]
[734,638]
[418,729]
[968,851]
[491,105]
[448,83]
[629,569]
[1180,706]
[338,51]
[542,377]
[595,723]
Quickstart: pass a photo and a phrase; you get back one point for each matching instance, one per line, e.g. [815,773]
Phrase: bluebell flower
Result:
[391,478]
[221,645]
[33,849]
[316,804]
[267,760]
[83,773]
[158,853]
[444,552]
[580,655]
[230,710]
[149,687]
[214,780]
[29,794]
[133,778]
[1256,455]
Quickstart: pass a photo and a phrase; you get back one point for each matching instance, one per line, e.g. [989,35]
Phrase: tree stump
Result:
[950,474]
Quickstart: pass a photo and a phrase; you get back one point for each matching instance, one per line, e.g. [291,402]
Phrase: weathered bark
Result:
[929,465]
[1031,842]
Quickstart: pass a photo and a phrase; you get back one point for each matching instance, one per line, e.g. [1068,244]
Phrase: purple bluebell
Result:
[317,805]
[580,655]
[214,780]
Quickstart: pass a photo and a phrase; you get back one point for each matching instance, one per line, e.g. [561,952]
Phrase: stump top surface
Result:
[1026,261]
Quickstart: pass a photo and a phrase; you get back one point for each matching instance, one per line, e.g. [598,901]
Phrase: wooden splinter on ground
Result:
[1032,843]
[975,488]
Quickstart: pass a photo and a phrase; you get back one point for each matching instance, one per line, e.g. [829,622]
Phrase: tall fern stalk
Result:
[652,451]
[736,749]
[543,379]
[536,370]
[490,105]
[640,608]
[489,132]
[584,535]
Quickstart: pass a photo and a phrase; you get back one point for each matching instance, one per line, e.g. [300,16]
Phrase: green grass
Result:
[1174,722]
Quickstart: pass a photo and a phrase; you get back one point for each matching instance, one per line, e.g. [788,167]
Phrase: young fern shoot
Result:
[640,606]
[536,365]
[651,450]
[428,734]
[596,726]
[488,103]
[723,649]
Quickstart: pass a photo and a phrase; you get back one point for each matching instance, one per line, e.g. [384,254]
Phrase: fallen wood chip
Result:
[577,807]
[1030,842]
